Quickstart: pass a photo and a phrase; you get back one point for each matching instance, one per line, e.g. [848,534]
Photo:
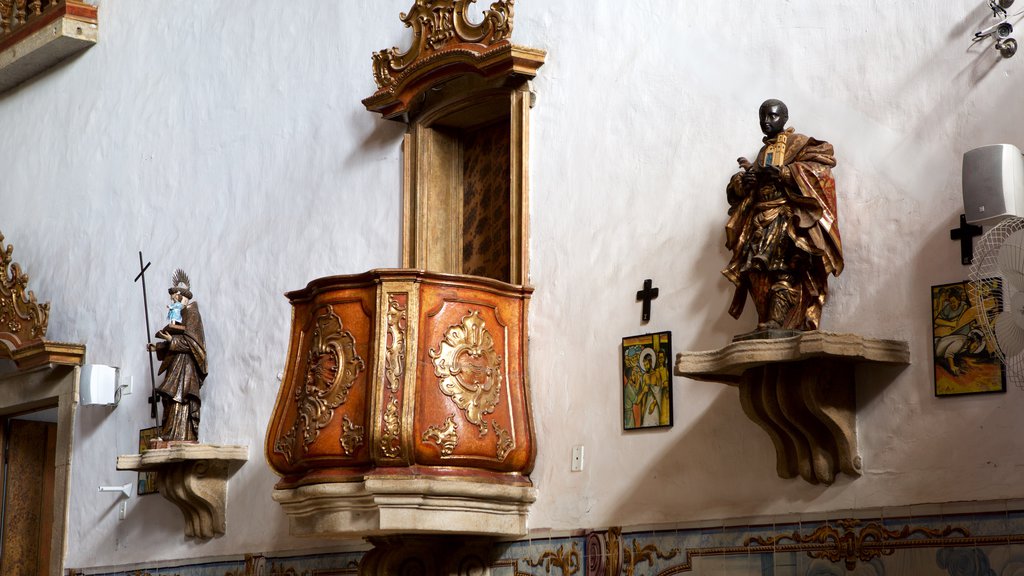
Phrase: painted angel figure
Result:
[181,349]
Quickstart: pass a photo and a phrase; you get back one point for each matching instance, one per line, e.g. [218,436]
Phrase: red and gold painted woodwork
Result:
[21,18]
[404,373]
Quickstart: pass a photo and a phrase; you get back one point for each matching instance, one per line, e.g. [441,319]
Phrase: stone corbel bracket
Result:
[801,391]
[195,478]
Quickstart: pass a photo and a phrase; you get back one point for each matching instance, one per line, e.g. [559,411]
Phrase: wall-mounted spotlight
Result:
[1000,31]
[999,7]
[1007,47]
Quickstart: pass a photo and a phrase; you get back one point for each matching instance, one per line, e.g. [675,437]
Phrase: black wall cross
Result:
[965,234]
[646,295]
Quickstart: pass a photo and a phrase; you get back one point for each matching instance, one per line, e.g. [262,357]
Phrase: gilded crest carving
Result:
[351,436]
[469,368]
[394,355]
[437,23]
[332,366]
[390,443]
[446,436]
[22,319]
[505,443]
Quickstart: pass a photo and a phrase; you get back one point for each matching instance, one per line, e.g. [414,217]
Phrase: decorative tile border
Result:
[346,564]
[960,543]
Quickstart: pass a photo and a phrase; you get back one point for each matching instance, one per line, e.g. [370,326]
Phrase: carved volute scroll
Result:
[446,436]
[22,319]
[332,366]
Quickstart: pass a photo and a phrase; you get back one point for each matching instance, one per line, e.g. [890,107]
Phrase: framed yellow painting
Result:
[963,353]
[647,381]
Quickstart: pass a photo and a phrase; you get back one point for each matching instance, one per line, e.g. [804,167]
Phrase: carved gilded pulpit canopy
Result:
[448,46]
[463,89]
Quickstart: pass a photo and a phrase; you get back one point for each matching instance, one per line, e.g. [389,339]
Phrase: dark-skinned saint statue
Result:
[782,229]
[181,349]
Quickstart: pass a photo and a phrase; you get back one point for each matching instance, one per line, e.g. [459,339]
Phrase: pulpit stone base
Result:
[387,506]
[430,556]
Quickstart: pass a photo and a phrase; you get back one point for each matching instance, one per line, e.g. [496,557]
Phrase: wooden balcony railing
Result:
[17,13]
[48,30]
[25,16]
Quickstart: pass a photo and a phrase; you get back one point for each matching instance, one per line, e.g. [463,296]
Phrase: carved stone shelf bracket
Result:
[802,392]
[195,478]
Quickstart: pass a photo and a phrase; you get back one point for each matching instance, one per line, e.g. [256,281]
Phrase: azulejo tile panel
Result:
[987,543]
[257,565]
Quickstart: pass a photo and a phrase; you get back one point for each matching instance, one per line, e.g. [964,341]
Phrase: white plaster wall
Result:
[641,116]
[230,141]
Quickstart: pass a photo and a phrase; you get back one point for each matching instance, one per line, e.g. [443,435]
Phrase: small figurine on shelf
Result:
[782,229]
[181,350]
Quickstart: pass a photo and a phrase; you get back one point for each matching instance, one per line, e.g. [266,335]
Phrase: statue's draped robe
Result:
[183,363]
[786,226]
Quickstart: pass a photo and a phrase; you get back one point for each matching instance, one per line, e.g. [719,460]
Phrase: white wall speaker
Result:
[98,385]
[993,183]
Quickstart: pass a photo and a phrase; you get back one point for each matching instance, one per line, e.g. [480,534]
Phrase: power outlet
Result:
[122,510]
[577,458]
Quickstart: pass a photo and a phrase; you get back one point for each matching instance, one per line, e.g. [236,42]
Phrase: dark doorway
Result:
[29,448]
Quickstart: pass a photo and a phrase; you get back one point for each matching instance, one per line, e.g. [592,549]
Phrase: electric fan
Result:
[999,259]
